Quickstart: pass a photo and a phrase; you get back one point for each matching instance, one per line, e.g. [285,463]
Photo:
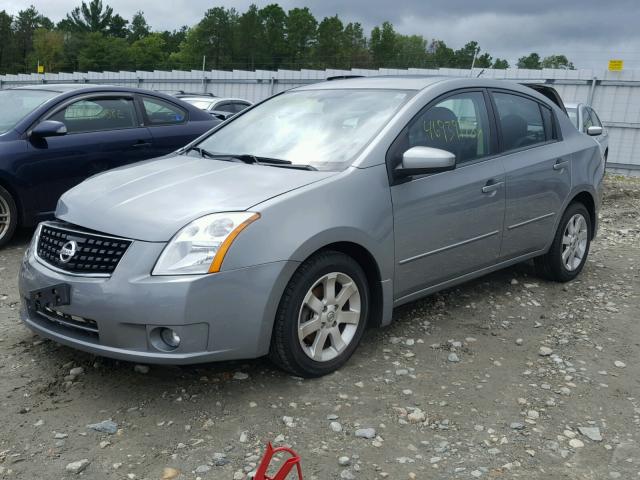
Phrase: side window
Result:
[240,107]
[160,112]
[459,124]
[96,114]
[520,121]
[225,107]
[547,119]
[594,118]
[586,120]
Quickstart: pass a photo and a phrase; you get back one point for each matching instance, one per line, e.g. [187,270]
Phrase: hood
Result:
[152,200]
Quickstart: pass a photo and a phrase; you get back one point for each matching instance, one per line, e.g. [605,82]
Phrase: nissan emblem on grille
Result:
[67,251]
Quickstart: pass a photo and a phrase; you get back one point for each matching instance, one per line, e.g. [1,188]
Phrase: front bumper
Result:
[223,316]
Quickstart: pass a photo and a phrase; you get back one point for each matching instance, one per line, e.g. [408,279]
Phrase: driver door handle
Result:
[560,164]
[492,187]
[141,144]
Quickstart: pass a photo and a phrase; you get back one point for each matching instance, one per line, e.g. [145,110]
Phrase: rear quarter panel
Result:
[587,164]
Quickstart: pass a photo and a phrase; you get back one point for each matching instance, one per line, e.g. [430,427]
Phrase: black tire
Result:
[551,265]
[7,207]
[286,349]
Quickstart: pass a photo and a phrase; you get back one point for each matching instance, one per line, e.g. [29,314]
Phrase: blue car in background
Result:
[52,137]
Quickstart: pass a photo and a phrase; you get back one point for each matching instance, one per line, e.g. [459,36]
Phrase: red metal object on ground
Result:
[287,466]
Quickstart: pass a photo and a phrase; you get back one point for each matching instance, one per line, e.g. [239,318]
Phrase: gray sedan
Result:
[304,219]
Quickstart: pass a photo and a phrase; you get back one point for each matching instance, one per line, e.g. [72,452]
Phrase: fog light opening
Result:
[170,338]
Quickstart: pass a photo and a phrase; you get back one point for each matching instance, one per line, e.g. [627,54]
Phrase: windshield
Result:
[322,128]
[201,104]
[17,104]
[573,115]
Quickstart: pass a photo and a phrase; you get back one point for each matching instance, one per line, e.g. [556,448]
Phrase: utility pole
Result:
[473,62]
[204,83]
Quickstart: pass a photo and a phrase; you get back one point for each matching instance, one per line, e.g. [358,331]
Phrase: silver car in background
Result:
[587,121]
[222,108]
[290,228]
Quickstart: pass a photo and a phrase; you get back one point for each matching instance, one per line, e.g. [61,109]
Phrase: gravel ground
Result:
[507,376]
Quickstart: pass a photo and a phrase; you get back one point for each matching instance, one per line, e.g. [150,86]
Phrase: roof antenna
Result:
[481,72]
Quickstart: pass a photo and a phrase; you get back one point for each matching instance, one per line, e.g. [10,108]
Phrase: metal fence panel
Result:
[614,95]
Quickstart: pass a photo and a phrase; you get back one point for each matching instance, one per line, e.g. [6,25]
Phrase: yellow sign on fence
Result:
[616,65]
[40,68]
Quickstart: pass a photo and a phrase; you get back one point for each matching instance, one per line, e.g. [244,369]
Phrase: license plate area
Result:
[50,297]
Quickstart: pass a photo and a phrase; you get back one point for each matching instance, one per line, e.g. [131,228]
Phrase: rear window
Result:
[521,121]
[160,112]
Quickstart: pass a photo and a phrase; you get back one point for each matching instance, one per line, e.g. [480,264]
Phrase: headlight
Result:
[200,247]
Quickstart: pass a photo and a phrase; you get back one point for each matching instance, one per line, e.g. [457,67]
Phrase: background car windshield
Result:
[322,128]
[17,104]
[573,115]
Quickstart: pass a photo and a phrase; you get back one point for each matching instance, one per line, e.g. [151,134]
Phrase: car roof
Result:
[391,82]
[422,82]
[213,99]
[54,87]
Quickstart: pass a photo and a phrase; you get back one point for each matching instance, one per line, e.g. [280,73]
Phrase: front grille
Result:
[86,253]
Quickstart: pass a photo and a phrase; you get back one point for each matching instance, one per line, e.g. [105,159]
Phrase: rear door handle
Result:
[491,187]
[559,165]
[141,145]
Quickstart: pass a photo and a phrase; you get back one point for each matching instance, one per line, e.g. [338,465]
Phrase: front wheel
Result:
[8,217]
[570,248]
[322,315]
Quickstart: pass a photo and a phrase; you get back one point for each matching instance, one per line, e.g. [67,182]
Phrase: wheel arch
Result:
[4,183]
[368,263]
[586,198]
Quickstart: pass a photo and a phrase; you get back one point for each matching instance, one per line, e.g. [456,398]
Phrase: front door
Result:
[102,133]
[448,224]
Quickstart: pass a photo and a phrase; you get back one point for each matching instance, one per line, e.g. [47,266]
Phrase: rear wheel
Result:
[570,247]
[322,315]
[8,217]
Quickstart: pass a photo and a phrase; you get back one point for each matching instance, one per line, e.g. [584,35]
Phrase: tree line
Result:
[94,37]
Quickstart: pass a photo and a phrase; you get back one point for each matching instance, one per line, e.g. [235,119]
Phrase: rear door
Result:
[448,224]
[169,124]
[538,173]
[103,132]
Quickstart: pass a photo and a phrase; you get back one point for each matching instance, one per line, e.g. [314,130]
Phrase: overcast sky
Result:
[589,32]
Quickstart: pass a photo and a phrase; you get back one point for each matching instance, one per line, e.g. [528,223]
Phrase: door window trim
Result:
[493,136]
[88,96]
[556,131]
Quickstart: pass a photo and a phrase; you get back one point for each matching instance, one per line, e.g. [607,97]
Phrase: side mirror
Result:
[221,115]
[49,128]
[423,160]
[594,131]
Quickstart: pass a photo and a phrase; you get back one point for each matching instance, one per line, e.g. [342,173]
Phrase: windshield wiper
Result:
[251,159]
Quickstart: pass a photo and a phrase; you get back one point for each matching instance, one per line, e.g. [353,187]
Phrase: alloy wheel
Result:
[329,316]
[5,217]
[574,242]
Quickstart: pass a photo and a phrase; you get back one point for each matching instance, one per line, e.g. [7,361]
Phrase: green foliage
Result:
[93,36]
[139,27]
[531,61]
[500,64]
[48,49]
[557,61]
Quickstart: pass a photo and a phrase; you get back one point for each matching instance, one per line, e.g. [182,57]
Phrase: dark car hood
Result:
[152,200]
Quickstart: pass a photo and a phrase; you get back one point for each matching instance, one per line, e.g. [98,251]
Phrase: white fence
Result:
[614,95]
